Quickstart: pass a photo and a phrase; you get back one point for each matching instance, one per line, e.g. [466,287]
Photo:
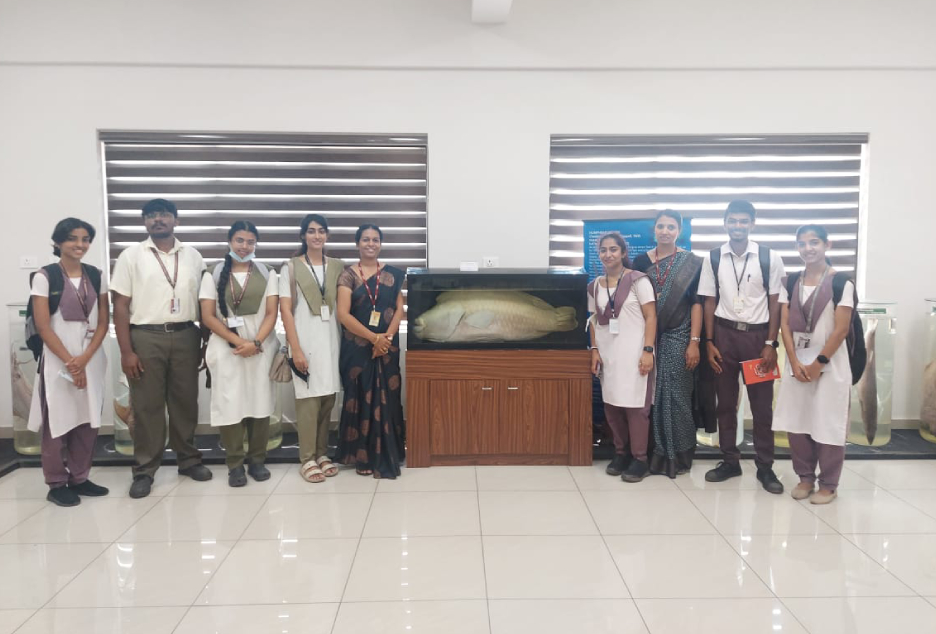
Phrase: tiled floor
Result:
[464,550]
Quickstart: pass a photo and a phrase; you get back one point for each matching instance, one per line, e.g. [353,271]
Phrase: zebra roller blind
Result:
[273,180]
[790,179]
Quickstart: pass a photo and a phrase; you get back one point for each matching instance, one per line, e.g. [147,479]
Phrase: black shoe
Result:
[637,471]
[63,496]
[722,472]
[616,467]
[89,489]
[198,472]
[237,477]
[141,487]
[769,481]
[258,472]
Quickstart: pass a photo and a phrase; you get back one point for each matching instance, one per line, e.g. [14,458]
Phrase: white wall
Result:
[488,97]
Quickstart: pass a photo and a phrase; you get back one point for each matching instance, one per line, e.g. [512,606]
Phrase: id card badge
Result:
[802,341]
[614,326]
[175,306]
[738,304]
[89,333]
[325,312]
[374,319]
[235,322]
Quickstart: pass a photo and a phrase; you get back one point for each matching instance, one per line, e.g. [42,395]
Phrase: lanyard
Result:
[318,283]
[82,286]
[661,279]
[175,274]
[743,269]
[238,300]
[610,296]
[815,296]
[373,298]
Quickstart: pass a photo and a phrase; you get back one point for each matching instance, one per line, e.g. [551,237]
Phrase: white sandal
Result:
[311,472]
[331,470]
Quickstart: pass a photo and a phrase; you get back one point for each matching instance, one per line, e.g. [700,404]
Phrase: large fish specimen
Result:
[22,388]
[125,414]
[928,409]
[491,316]
[867,387]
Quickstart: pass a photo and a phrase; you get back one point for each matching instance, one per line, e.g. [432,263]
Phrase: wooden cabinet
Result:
[498,407]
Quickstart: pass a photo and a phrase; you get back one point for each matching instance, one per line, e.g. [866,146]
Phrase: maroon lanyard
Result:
[175,275]
[373,298]
[82,286]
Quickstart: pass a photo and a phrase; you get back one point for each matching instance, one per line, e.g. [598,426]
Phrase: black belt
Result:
[167,327]
[740,325]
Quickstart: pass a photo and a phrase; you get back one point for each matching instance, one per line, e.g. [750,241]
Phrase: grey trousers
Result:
[169,381]
[806,454]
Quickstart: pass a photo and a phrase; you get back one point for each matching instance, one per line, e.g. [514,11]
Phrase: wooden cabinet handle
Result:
[512,388]
[487,389]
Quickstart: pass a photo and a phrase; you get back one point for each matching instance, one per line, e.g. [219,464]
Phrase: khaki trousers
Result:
[313,416]
[232,437]
[169,381]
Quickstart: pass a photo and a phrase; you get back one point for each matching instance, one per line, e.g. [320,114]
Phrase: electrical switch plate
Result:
[29,262]
[490,261]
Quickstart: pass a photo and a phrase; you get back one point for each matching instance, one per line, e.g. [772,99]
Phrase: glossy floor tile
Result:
[94,520]
[301,517]
[910,558]
[921,499]
[419,568]
[33,573]
[817,566]
[316,618]
[526,478]
[119,479]
[347,481]
[896,474]
[218,485]
[22,484]
[281,571]
[646,513]
[876,511]
[12,619]
[413,617]
[756,512]
[566,567]
[14,511]
[594,478]
[431,479]
[683,566]
[195,518]
[552,616]
[535,513]
[724,616]
[140,574]
[104,621]
[426,514]
[864,615]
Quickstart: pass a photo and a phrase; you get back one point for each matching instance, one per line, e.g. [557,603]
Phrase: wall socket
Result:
[29,262]
[490,261]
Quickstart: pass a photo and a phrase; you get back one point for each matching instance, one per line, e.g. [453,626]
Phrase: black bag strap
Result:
[791,281]
[56,285]
[763,254]
[715,259]
[838,287]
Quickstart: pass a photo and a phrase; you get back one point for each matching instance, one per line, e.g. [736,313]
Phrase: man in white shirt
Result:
[155,287]
[742,320]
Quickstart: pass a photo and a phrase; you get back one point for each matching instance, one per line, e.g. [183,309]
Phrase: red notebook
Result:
[752,374]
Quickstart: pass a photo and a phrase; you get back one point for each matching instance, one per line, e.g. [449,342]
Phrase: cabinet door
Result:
[463,417]
[534,417]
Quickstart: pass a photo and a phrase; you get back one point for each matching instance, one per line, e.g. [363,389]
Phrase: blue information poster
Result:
[638,232]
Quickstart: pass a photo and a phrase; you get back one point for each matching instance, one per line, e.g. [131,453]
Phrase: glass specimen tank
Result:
[928,407]
[496,309]
[869,421]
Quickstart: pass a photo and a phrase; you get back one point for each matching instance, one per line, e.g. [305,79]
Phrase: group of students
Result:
[651,317]
[161,288]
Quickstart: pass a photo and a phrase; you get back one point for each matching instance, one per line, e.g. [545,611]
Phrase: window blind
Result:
[273,180]
[790,179]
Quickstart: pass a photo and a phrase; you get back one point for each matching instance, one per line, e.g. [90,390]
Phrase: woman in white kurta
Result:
[623,330]
[812,406]
[68,396]
[240,351]
[307,305]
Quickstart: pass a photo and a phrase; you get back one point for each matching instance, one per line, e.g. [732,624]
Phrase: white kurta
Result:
[621,382]
[320,341]
[240,387]
[818,408]
[68,406]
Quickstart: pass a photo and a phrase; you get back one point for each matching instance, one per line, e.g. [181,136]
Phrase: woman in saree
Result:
[370,307]
[675,276]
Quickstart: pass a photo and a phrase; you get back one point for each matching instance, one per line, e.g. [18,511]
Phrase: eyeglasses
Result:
[158,214]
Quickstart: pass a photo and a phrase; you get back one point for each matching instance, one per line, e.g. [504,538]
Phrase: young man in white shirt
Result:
[155,287]
[742,321]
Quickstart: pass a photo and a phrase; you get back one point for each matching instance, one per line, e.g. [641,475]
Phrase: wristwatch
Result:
[256,342]
[773,343]
[822,359]
[648,349]
[696,339]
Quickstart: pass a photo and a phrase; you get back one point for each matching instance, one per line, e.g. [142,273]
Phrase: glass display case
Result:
[928,406]
[23,375]
[870,417]
[496,309]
